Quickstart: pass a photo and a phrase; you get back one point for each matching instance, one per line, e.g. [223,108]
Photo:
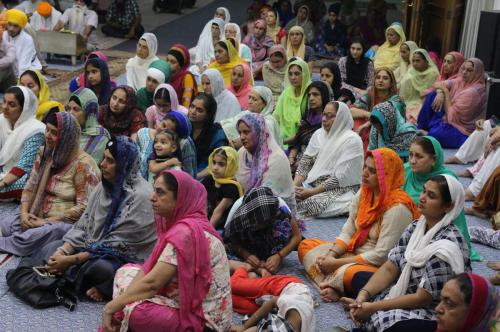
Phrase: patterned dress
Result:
[431,277]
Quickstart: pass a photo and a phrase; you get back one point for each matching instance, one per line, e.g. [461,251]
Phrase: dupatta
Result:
[226,69]
[403,67]
[301,51]
[44,94]
[106,84]
[181,53]
[244,89]
[137,67]
[459,59]
[416,81]
[227,104]
[259,47]
[388,55]
[231,167]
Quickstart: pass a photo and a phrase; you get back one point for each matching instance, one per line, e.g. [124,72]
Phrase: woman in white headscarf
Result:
[429,253]
[21,135]
[204,53]
[329,173]
[227,104]
[232,30]
[137,66]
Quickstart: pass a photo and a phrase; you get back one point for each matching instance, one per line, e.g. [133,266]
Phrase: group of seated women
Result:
[150,195]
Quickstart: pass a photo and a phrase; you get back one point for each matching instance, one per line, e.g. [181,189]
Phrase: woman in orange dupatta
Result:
[379,214]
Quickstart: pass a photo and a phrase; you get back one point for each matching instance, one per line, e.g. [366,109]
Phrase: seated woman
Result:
[262,230]
[405,289]
[98,80]
[241,85]
[274,70]
[260,100]
[302,20]
[468,303]
[159,72]
[259,43]
[388,128]
[274,29]
[137,66]
[262,163]
[83,105]
[388,53]
[329,172]
[222,188]
[207,134]
[212,83]
[296,47]
[290,105]
[232,30]
[487,202]
[405,50]
[165,101]
[123,20]
[378,215]
[417,80]
[179,123]
[356,70]
[56,193]
[182,80]
[20,138]
[121,115]
[226,58]
[426,160]
[318,96]
[79,81]
[331,42]
[330,73]
[35,81]
[205,52]
[184,284]
[450,112]
[105,238]
[451,66]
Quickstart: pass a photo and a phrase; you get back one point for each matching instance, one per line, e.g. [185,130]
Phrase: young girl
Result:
[222,189]
[165,100]
[98,80]
[166,153]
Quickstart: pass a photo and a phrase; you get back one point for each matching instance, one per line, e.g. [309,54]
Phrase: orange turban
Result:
[44,9]
[17,17]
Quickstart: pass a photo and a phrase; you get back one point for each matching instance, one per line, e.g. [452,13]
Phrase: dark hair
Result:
[426,145]
[171,183]
[337,78]
[422,55]
[440,180]
[76,100]
[278,54]
[222,44]
[31,74]
[465,285]
[220,152]
[375,121]
[18,93]
[175,140]
[361,41]
[209,129]
[162,94]
[324,92]
[172,118]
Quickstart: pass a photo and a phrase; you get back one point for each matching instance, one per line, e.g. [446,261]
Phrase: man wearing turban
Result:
[45,17]
[22,41]
[8,66]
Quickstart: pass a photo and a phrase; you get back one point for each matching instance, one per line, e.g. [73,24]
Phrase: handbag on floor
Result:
[33,284]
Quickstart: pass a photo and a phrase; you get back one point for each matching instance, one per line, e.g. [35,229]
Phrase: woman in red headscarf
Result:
[182,80]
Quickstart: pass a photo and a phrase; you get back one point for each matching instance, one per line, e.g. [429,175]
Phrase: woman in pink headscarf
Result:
[259,44]
[184,285]
[450,112]
[451,66]
[241,84]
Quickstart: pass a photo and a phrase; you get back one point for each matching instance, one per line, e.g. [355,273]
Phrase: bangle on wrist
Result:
[367,292]
[280,255]
[64,251]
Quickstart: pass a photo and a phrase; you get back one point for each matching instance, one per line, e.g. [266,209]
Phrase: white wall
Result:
[496,5]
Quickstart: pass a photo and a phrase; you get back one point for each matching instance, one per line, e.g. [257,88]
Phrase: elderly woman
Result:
[259,43]
[303,20]
[56,193]
[211,34]
[83,105]
[274,70]
[450,68]
[450,112]
[379,214]
[329,173]
[296,47]
[403,292]
[262,163]
[20,138]
[116,227]
[232,30]
[137,66]
[212,83]
[182,79]
[184,284]
[388,53]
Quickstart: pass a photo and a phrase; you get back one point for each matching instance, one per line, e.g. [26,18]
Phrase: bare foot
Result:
[472,211]
[95,295]
[453,160]
[468,195]
[494,265]
[327,293]
[464,174]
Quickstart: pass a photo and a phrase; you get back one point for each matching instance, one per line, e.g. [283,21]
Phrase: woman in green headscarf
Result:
[83,105]
[291,104]
[159,72]
[426,161]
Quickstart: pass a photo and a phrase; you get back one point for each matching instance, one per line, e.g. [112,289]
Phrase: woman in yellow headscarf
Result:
[222,188]
[226,58]
[388,54]
[34,80]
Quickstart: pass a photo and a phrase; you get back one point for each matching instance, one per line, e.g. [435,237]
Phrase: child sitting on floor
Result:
[166,153]
[289,295]
[162,105]
[222,189]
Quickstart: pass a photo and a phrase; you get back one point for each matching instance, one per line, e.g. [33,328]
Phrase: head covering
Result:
[205,46]
[160,70]
[272,31]
[252,223]
[48,106]
[44,9]
[80,82]
[245,87]
[416,81]
[186,232]
[403,67]
[120,123]
[118,221]
[334,8]
[274,78]
[106,85]
[337,78]
[459,59]
[137,67]
[393,89]
[227,15]
[17,17]
[290,108]
[388,55]
[483,304]
[225,69]
[390,177]
[94,136]
[301,50]
[12,138]
[153,112]
[419,249]
[227,103]
[259,46]
[44,94]
[152,42]
[396,133]
[183,125]
[231,167]
[181,54]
